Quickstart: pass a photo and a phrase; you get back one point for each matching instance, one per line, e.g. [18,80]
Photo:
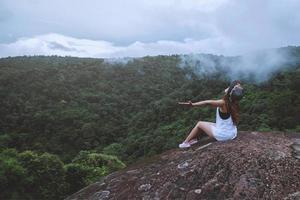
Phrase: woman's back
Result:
[225,128]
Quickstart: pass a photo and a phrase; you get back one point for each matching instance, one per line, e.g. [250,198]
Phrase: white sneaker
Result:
[193,141]
[184,145]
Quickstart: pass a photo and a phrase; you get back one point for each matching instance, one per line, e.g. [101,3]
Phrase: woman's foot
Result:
[188,144]
[184,145]
[193,141]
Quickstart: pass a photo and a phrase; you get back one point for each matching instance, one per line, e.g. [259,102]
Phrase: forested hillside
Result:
[80,109]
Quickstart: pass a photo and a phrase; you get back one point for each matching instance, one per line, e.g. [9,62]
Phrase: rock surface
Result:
[254,166]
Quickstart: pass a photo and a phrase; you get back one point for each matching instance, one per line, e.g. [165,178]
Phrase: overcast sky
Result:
[118,28]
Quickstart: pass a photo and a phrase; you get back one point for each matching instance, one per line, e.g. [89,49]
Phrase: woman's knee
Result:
[199,124]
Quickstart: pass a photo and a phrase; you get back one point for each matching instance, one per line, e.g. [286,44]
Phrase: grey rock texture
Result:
[255,165]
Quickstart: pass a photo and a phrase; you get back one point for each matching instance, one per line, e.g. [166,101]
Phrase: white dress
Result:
[224,129]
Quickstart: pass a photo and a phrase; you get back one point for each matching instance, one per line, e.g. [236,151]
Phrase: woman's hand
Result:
[189,103]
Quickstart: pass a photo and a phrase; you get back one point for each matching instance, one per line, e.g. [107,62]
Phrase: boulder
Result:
[255,165]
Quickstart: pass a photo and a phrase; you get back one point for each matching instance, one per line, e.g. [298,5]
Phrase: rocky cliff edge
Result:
[255,165]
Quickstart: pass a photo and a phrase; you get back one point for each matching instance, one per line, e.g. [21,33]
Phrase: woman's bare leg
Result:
[201,126]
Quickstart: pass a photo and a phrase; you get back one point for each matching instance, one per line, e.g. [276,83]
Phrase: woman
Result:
[227,116]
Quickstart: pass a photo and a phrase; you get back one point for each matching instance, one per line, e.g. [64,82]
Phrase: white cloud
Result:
[56,44]
[142,27]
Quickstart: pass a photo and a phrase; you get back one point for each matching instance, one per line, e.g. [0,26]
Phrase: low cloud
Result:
[56,44]
[255,66]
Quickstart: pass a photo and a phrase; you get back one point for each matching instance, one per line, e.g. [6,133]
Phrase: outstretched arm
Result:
[214,103]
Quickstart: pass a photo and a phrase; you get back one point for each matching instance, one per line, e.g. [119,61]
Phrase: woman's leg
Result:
[201,126]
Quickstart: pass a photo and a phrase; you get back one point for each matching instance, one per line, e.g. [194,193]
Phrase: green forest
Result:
[65,122]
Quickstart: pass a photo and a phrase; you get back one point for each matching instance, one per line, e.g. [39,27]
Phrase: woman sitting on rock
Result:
[227,116]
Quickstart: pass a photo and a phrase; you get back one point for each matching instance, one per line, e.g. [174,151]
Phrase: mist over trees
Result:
[64,114]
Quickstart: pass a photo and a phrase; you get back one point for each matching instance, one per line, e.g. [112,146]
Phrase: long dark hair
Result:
[233,108]
[232,102]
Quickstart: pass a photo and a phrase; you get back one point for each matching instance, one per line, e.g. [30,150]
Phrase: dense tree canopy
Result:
[53,108]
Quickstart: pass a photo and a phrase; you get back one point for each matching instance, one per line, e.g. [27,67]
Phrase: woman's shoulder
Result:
[223,107]
[221,103]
